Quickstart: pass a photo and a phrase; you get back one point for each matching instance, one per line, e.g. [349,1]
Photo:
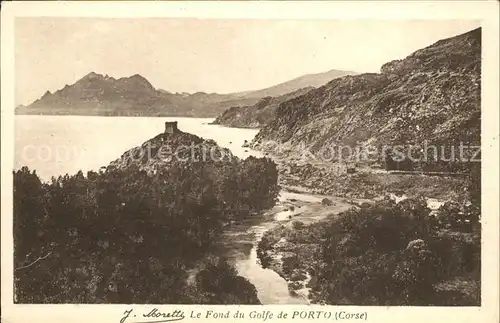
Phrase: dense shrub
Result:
[389,254]
[125,236]
[297,225]
[458,216]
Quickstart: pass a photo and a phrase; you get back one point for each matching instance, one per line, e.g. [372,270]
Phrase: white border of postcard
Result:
[484,11]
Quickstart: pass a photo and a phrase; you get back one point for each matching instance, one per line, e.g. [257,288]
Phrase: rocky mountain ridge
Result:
[97,94]
[101,95]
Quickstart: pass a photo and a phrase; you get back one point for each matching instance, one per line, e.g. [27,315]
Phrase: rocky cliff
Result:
[433,94]
[257,115]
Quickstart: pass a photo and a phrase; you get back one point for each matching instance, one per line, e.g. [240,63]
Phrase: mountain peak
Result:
[92,75]
[137,80]
[138,76]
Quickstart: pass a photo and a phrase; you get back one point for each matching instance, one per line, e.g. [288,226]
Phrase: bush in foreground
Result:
[390,254]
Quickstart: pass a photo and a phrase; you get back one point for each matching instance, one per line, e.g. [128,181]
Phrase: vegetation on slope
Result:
[386,254]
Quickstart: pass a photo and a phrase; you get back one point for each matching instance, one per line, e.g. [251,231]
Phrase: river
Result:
[56,145]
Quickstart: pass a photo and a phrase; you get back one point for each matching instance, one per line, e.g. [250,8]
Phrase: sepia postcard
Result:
[250,161]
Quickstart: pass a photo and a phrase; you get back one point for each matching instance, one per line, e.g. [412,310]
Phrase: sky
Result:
[223,56]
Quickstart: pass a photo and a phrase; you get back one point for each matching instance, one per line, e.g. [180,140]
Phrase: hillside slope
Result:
[295,84]
[257,115]
[432,95]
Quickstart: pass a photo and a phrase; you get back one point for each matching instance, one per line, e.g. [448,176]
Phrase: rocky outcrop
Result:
[432,95]
[242,186]
[167,149]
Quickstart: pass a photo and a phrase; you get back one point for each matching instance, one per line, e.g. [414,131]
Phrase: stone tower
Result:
[171,127]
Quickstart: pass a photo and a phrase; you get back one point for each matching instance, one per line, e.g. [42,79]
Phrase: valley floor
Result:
[292,247]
